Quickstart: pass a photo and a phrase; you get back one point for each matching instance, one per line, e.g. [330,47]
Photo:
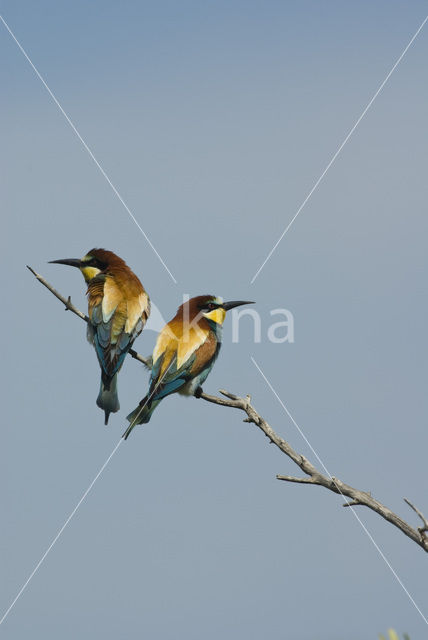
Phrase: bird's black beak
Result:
[72,262]
[234,303]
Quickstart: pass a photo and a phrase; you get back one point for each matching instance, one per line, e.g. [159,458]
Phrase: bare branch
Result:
[66,301]
[69,306]
[314,477]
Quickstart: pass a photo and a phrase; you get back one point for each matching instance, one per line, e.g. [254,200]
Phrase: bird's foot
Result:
[198,392]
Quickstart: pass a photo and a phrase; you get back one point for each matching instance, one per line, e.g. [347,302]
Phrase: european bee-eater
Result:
[184,353]
[118,308]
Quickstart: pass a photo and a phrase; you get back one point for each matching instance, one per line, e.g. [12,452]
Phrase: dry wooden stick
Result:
[315,477]
[312,475]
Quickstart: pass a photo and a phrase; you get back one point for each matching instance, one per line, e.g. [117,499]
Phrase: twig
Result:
[314,477]
[422,530]
[295,479]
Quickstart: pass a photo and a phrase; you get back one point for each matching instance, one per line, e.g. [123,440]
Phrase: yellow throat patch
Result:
[216,315]
[89,272]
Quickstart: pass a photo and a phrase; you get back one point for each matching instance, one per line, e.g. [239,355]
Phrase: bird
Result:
[184,354]
[118,308]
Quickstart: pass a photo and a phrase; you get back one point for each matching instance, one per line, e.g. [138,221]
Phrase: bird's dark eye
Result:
[94,262]
[208,306]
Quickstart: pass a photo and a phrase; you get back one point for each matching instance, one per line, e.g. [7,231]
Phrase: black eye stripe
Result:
[94,262]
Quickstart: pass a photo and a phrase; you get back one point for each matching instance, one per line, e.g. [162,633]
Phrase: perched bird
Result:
[118,308]
[184,353]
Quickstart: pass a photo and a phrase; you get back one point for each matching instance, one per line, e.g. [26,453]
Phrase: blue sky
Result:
[214,120]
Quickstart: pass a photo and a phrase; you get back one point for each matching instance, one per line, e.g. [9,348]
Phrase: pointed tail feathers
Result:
[141,415]
[107,398]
